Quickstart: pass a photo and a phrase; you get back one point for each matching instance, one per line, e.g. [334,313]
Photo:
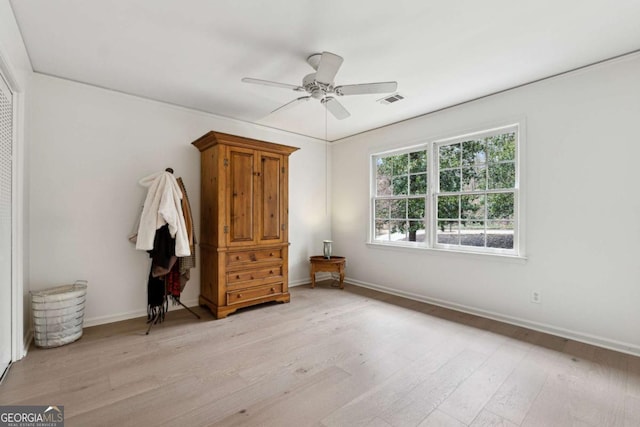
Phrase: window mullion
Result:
[486,218]
[434,187]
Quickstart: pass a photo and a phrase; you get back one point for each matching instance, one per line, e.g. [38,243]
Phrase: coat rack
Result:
[156,318]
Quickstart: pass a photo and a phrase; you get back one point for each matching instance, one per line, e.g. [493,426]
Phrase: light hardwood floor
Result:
[331,357]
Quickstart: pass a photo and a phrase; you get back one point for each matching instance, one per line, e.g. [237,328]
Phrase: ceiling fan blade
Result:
[328,67]
[292,103]
[365,88]
[335,108]
[274,84]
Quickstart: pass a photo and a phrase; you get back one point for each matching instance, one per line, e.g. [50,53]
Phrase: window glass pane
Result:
[473,153]
[500,206]
[449,156]
[448,232]
[383,186]
[416,208]
[382,230]
[474,178]
[448,207]
[450,180]
[500,234]
[398,208]
[472,233]
[472,206]
[382,209]
[398,230]
[418,161]
[400,185]
[384,166]
[501,147]
[400,164]
[416,231]
[418,184]
[502,175]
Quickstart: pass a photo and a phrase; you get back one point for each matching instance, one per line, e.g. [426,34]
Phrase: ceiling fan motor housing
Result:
[316,89]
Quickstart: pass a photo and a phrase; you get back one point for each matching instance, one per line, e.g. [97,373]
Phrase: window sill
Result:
[517,259]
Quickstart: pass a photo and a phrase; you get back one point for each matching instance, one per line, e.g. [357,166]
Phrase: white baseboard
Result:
[101,320]
[307,281]
[610,344]
[27,342]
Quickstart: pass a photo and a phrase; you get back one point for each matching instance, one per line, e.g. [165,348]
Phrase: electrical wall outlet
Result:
[536,297]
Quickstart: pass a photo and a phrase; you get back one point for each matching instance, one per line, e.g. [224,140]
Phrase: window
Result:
[455,194]
[400,197]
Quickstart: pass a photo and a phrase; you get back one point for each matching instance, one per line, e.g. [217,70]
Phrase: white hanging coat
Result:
[162,206]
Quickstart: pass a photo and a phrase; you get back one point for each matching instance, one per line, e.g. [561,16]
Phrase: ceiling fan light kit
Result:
[320,85]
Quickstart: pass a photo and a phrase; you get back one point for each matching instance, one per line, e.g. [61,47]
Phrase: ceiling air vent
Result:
[391,99]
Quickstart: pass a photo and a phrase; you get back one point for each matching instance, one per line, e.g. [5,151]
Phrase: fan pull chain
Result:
[326,165]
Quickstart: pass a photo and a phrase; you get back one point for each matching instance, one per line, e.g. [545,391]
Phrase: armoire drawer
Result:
[251,256]
[249,294]
[265,273]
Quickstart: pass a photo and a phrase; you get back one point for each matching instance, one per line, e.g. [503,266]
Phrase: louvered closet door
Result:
[6,138]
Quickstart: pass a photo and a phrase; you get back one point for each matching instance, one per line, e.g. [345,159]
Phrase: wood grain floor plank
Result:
[468,400]
[515,396]
[216,408]
[633,376]
[365,408]
[587,389]
[631,411]
[489,419]
[417,403]
[438,418]
[301,406]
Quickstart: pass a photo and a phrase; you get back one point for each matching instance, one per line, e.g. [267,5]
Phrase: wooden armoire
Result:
[244,222]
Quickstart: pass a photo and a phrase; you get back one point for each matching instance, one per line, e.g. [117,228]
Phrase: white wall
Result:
[15,65]
[582,210]
[89,149]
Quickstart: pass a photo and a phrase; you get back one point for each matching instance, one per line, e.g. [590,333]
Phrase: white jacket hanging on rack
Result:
[162,206]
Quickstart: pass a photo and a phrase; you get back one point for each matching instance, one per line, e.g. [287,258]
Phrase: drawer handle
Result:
[270,271]
[237,277]
[237,258]
[273,289]
[271,254]
[251,277]
[239,295]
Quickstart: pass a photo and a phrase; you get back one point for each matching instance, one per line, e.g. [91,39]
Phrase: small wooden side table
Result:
[334,264]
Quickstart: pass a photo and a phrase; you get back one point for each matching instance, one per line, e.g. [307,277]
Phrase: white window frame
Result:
[427,196]
[431,223]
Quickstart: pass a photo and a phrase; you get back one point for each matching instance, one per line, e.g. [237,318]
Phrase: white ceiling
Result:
[193,53]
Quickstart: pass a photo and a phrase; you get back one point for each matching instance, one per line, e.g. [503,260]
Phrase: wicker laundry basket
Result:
[58,314]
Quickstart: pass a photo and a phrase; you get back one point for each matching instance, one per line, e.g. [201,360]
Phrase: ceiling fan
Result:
[320,85]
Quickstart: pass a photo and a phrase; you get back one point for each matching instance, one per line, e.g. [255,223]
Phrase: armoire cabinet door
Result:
[270,215]
[241,195]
